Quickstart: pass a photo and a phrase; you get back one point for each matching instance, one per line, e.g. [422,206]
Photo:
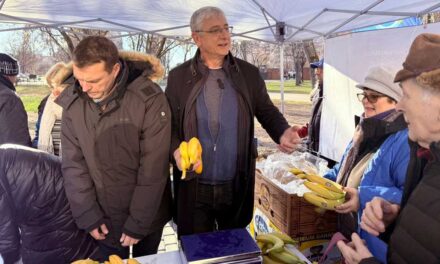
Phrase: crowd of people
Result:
[100,179]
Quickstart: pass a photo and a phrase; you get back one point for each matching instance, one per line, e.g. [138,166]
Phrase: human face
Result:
[422,113]
[375,103]
[95,80]
[320,74]
[212,45]
[13,79]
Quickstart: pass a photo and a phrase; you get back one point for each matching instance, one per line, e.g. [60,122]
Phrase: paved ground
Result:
[291,97]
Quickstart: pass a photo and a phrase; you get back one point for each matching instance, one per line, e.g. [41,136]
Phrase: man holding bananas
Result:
[215,97]
[413,228]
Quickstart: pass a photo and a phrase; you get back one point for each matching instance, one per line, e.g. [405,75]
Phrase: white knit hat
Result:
[381,79]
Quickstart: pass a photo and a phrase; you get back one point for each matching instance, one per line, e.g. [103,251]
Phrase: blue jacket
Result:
[384,176]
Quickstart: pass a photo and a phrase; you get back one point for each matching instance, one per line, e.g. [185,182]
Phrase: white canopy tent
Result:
[274,21]
[252,19]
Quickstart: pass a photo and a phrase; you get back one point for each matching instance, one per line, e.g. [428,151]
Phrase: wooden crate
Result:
[292,214]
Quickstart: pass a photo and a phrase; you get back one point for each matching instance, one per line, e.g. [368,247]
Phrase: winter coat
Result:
[184,85]
[385,173]
[35,219]
[415,234]
[314,127]
[51,115]
[115,162]
[13,118]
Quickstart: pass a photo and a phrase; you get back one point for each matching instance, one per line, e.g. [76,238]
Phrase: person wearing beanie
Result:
[411,229]
[13,117]
[375,161]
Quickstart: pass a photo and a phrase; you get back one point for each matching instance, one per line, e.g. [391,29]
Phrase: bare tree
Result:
[151,44]
[24,48]
[62,42]
[299,57]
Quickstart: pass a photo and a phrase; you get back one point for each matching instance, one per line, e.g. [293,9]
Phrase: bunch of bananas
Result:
[190,154]
[273,247]
[113,259]
[326,194]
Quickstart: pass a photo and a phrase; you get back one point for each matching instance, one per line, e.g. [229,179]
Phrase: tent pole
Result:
[282,76]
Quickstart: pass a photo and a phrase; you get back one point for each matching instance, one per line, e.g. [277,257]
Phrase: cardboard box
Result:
[291,214]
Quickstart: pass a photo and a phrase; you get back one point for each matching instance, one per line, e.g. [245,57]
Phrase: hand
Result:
[196,165]
[355,251]
[290,140]
[127,241]
[99,234]
[377,215]
[351,201]
[176,155]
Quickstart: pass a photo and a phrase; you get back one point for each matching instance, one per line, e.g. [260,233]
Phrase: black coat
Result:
[13,117]
[415,235]
[184,85]
[35,216]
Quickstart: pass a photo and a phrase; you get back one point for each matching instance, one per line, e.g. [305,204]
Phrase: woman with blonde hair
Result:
[49,138]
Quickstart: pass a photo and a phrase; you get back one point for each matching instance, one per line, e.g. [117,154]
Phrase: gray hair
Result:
[427,91]
[203,13]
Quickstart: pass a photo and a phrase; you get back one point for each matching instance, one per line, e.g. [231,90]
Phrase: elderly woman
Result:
[376,160]
[414,226]
[49,134]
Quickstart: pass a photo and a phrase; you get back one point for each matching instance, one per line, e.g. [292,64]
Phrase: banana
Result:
[115,259]
[331,185]
[285,257]
[194,150]
[286,239]
[184,158]
[323,192]
[328,204]
[295,171]
[268,260]
[106,262]
[301,175]
[132,261]
[278,244]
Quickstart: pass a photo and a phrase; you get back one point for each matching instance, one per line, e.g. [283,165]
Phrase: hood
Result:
[147,63]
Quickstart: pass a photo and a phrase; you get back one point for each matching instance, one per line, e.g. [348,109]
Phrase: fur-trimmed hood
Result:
[139,61]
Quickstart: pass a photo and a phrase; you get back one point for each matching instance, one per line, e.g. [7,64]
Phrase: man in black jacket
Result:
[13,117]
[215,97]
[413,228]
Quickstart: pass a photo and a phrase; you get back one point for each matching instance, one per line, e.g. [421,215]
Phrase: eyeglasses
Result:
[372,98]
[217,31]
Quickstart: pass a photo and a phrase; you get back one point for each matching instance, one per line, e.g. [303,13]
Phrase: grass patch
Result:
[289,87]
[31,95]
[278,101]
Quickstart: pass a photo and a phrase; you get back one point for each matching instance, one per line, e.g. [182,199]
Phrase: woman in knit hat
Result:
[412,228]
[376,159]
